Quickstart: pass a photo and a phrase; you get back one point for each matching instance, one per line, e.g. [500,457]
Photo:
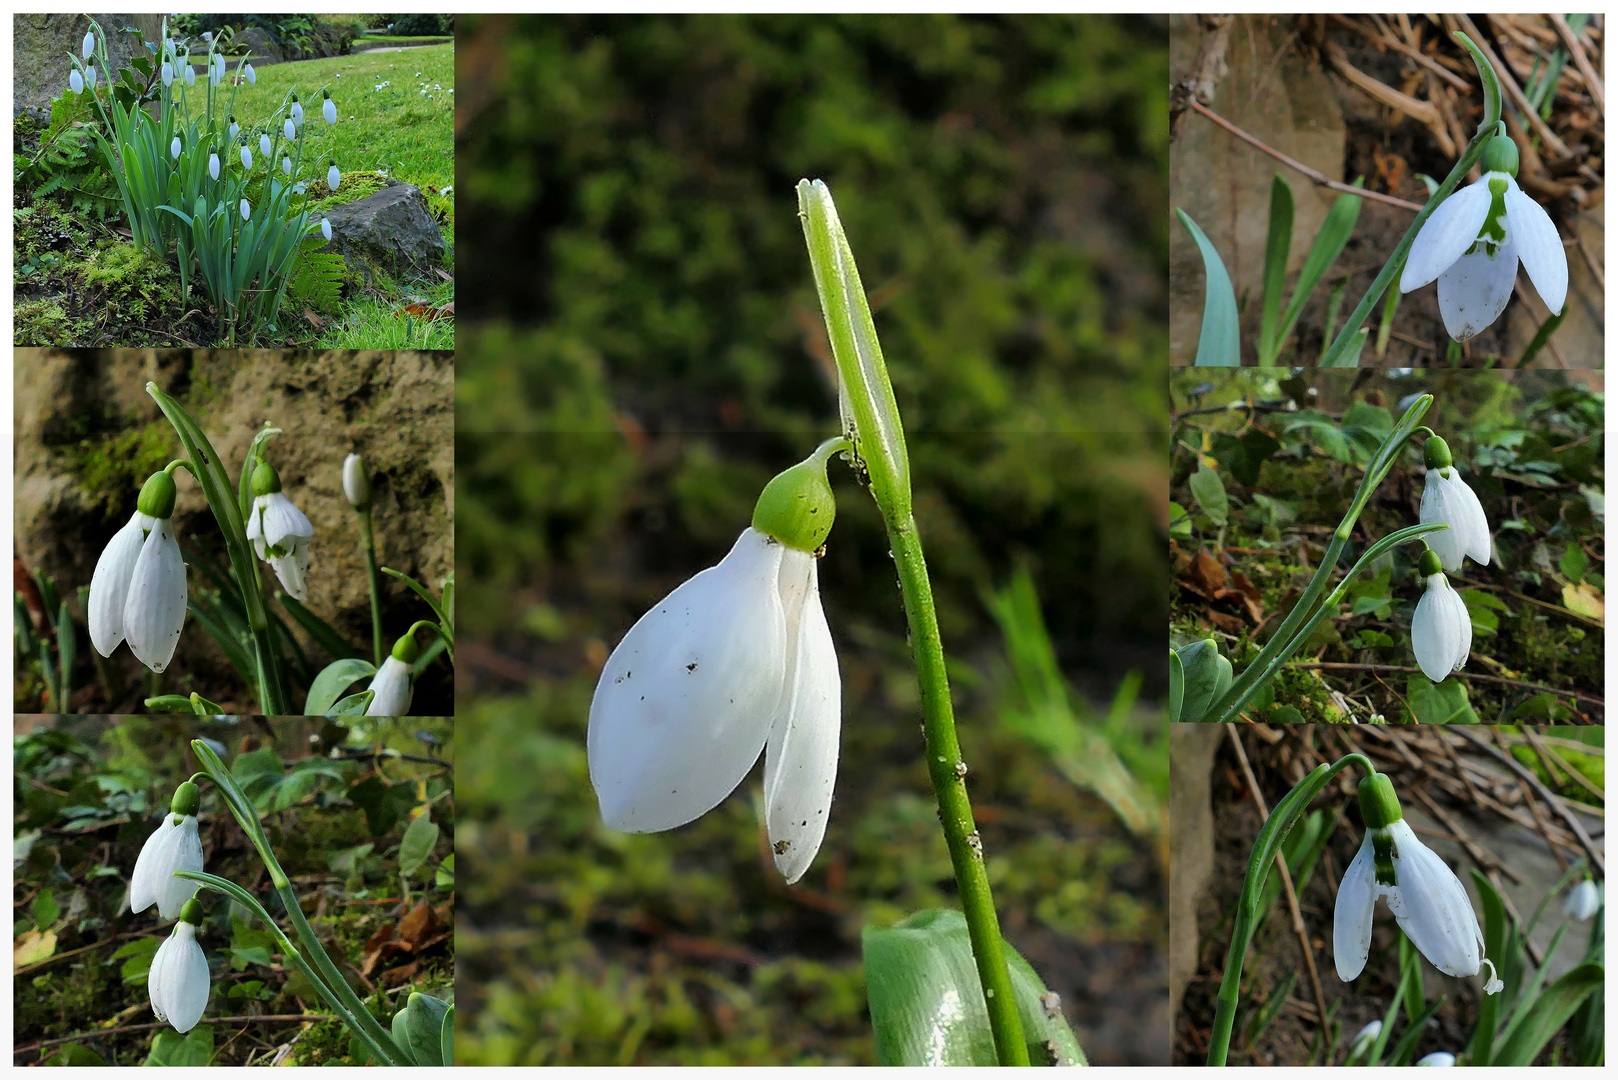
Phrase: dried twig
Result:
[1592,81]
[85,1036]
[1592,699]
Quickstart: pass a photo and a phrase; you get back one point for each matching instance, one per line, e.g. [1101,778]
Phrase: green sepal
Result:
[798,507]
[1378,803]
[1500,155]
[192,912]
[157,496]
[405,649]
[187,799]
[1428,564]
[1436,453]
[265,479]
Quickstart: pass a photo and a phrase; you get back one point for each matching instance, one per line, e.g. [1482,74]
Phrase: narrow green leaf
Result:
[1277,247]
[401,1034]
[171,703]
[327,638]
[1176,688]
[1548,1013]
[1219,343]
[426,1022]
[421,590]
[1328,244]
[67,641]
[354,704]
[1207,675]
[446,1038]
[333,679]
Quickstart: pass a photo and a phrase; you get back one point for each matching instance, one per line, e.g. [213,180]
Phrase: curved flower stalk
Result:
[1474,240]
[1447,498]
[1425,896]
[174,846]
[1441,632]
[178,979]
[138,592]
[391,685]
[1582,901]
[735,662]
[279,532]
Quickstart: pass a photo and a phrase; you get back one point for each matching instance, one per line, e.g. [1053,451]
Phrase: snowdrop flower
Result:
[216,69]
[286,165]
[279,531]
[1473,242]
[735,661]
[328,109]
[1365,1037]
[75,81]
[247,156]
[333,177]
[247,210]
[1441,632]
[89,44]
[264,143]
[138,593]
[1583,901]
[1446,498]
[174,846]
[251,75]
[392,680]
[213,162]
[234,126]
[190,73]
[297,112]
[325,228]
[356,478]
[90,77]
[168,74]
[174,147]
[289,129]
[1424,895]
[1440,1059]
[178,981]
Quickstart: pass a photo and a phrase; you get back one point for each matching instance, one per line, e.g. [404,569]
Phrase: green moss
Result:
[41,322]
[110,468]
[132,285]
[355,186]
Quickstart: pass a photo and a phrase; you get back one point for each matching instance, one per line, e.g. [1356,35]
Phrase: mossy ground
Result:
[95,788]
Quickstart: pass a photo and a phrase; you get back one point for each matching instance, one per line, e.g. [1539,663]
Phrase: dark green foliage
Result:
[318,281]
[61,162]
[418,24]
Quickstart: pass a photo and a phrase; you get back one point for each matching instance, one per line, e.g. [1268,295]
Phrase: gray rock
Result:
[393,228]
[41,45]
[260,44]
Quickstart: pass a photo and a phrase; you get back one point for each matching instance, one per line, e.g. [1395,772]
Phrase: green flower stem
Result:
[1345,349]
[373,581]
[216,488]
[872,424]
[1265,848]
[1286,639]
[246,816]
[296,959]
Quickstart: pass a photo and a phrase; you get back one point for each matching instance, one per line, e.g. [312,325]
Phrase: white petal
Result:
[1446,234]
[1438,1059]
[1438,505]
[178,980]
[392,686]
[1356,904]
[182,851]
[1582,901]
[282,519]
[800,760]
[143,882]
[1432,906]
[109,585]
[687,699]
[1474,524]
[255,524]
[155,610]
[289,569]
[1538,245]
[1433,632]
[1473,292]
[1460,626]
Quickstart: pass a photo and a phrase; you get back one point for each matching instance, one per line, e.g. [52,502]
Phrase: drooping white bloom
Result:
[89,44]
[213,164]
[252,76]
[289,130]
[356,478]
[1441,632]
[1583,901]
[216,69]
[325,228]
[247,157]
[328,110]
[264,143]
[168,73]
[1439,1059]
[174,147]
[1448,499]
[1473,242]
[297,113]
[178,980]
[234,127]
[90,77]
[737,660]
[174,846]
[138,591]
[190,73]
[280,535]
[1365,1036]
[286,165]
[392,685]
[333,177]
[247,210]
[1424,895]
[75,81]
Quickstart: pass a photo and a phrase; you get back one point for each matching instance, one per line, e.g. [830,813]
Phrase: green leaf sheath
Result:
[1219,343]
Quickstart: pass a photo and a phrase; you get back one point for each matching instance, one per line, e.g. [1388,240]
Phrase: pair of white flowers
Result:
[735,662]
[1441,632]
[1473,242]
[178,980]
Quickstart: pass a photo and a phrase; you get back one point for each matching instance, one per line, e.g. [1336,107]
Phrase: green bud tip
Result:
[405,650]
[187,799]
[1436,454]
[1429,564]
[265,479]
[1378,804]
[157,496]
[192,912]
[797,507]
[1500,155]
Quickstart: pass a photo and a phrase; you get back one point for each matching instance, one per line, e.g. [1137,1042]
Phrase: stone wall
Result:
[40,47]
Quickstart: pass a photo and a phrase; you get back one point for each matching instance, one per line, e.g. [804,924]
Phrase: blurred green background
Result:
[643,350]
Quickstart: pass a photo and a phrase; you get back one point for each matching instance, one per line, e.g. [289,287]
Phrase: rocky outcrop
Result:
[41,45]
[392,228]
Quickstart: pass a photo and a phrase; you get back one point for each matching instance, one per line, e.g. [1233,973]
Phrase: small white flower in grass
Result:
[174,846]
[297,111]
[1446,498]
[190,73]
[1424,895]
[279,531]
[247,157]
[174,147]
[1473,242]
[234,126]
[356,477]
[325,228]
[89,44]
[178,979]
[1583,901]
[1365,1037]
[75,81]
[392,680]
[247,210]
[1441,632]
[289,129]
[213,162]
[138,591]
[736,661]
[328,109]
[264,143]
[90,77]
[168,73]
[286,165]
[251,75]
[1439,1059]
[333,177]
